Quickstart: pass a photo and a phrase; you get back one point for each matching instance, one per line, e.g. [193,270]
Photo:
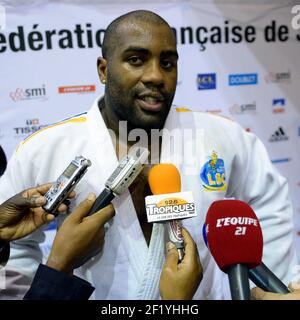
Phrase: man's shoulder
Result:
[218,127]
[56,131]
[203,117]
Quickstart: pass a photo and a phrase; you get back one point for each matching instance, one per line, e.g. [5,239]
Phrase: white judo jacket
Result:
[127,268]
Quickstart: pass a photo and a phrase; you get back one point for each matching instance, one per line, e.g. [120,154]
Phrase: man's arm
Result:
[50,284]
[25,253]
[267,192]
[78,239]
[21,215]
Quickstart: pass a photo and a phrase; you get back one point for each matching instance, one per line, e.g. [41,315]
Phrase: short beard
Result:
[133,118]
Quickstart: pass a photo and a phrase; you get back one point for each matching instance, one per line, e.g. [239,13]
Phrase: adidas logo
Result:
[279,135]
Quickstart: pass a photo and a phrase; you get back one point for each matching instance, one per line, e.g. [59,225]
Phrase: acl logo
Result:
[206,81]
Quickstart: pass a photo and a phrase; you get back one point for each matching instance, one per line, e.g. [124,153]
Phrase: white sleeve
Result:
[25,254]
[267,192]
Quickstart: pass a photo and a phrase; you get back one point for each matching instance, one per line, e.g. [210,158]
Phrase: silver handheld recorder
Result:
[65,183]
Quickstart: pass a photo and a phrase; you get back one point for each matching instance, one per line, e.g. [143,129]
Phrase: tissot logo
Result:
[31,122]
[243,79]
[278,105]
[32,125]
[278,77]
[206,81]
[279,135]
[29,94]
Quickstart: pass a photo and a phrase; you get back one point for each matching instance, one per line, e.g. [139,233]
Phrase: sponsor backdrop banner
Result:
[238,60]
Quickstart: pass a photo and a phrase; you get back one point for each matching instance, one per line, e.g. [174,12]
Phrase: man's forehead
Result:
[140,34]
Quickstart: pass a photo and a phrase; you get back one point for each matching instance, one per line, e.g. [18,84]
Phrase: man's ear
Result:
[102,69]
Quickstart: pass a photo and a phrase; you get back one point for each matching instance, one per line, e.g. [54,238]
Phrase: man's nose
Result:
[153,74]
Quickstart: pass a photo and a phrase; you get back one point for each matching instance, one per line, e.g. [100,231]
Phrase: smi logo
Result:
[29,94]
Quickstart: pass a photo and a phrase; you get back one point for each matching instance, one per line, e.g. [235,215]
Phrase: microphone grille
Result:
[164,178]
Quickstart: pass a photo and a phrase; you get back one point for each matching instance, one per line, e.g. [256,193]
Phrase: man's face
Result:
[141,74]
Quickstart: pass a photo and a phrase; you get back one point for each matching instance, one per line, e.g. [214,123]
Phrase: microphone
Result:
[122,177]
[235,240]
[264,278]
[165,179]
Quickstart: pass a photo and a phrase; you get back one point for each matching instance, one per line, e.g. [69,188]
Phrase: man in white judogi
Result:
[139,70]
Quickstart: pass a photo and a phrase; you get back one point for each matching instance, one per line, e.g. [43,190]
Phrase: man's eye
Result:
[167,64]
[135,61]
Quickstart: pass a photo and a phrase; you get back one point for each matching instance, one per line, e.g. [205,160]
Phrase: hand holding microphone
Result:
[168,203]
[294,294]
[179,281]
[235,240]
[121,178]
[263,277]
[80,237]
[237,216]
[22,214]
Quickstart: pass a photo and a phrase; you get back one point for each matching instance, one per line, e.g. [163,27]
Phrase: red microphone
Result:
[235,241]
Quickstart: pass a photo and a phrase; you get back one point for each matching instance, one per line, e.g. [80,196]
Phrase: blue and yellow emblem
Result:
[213,174]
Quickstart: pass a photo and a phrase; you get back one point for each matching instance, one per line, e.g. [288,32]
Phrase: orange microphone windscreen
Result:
[164,178]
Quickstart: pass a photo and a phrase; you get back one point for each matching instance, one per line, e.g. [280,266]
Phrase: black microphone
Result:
[122,177]
[265,279]
[238,281]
